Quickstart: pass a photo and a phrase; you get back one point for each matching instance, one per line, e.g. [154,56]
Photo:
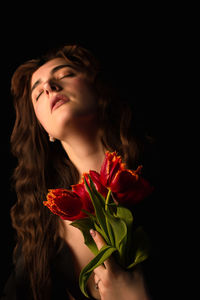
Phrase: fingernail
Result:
[92,232]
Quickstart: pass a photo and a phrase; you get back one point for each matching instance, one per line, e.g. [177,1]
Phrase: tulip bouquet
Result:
[101,202]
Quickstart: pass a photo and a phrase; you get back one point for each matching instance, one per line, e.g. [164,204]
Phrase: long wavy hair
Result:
[42,165]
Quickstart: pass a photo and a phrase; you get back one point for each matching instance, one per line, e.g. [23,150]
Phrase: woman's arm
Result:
[116,283]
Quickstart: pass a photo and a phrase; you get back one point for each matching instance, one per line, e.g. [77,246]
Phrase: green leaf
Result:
[103,254]
[99,204]
[126,215]
[140,247]
[97,194]
[102,233]
[92,217]
[93,190]
[84,225]
[118,230]
[140,257]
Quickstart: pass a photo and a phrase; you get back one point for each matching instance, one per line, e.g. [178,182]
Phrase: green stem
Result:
[107,199]
[109,229]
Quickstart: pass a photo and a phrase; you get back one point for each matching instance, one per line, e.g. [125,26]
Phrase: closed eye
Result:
[58,78]
[66,75]
[38,96]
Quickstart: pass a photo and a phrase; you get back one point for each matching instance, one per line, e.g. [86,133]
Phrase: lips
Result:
[57,101]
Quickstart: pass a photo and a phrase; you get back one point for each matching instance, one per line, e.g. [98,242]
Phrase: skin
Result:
[114,282]
[75,125]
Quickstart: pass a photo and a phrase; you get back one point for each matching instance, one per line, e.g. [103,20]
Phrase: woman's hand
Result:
[113,282]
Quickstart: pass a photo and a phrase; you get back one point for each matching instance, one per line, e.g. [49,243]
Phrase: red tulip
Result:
[111,165]
[126,185]
[126,188]
[98,184]
[80,190]
[129,188]
[64,203]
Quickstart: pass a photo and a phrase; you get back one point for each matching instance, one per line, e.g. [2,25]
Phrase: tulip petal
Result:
[141,190]
[111,165]
[81,191]
[97,182]
[123,180]
[64,203]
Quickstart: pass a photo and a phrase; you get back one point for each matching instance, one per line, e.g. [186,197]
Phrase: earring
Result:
[51,138]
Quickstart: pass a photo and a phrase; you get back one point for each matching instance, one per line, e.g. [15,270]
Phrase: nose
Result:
[51,86]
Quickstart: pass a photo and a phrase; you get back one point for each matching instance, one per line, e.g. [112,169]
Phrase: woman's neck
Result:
[84,148]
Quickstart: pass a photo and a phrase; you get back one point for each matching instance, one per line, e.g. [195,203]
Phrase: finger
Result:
[97,238]
[110,262]
[96,278]
[99,241]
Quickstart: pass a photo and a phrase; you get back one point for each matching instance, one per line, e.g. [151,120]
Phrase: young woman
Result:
[67,117]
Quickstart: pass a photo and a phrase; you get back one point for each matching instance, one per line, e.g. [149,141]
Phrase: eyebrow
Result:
[54,70]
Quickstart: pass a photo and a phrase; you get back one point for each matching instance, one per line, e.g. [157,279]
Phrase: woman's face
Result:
[62,97]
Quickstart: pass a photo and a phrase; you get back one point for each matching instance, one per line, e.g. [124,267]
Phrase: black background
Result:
[142,52]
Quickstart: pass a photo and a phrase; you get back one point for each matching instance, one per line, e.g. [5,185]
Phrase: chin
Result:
[65,122]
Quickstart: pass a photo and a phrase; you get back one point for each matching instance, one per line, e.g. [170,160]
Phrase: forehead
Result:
[45,69]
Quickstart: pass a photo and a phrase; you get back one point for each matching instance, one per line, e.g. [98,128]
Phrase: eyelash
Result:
[64,76]
[38,96]
[67,75]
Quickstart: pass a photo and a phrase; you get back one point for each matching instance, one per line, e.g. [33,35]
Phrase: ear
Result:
[51,138]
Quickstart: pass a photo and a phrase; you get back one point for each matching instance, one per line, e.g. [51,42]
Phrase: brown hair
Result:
[43,165]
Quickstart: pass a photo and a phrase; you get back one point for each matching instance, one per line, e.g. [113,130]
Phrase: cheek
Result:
[41,114]
[85,92]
